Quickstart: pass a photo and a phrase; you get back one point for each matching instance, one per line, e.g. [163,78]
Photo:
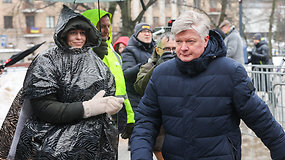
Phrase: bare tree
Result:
[279,34]
[129,23]
[196,7]
[224,4]
[271,20]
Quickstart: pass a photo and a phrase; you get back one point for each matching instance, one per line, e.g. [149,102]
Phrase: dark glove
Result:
[128,131]
[102,50]
[165,57]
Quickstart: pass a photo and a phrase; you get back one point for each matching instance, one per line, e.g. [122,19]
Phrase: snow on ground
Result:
[277,60]
[10,83]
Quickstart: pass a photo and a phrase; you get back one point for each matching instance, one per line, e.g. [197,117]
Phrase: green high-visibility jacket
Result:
[114,62]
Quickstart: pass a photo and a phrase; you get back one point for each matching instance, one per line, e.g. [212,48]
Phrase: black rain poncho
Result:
[74,75]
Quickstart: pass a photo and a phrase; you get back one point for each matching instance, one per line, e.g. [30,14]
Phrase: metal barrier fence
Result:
[269,81]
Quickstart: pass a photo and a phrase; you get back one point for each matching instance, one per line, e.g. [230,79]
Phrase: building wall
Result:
[157,15]
[20,36]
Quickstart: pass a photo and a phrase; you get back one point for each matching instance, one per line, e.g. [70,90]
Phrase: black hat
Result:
[76,23]
[142,26]
[256,36]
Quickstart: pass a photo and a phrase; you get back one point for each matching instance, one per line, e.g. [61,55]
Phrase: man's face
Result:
[167,44]
[145,36]
[225,28]
[105,27]
[76,38]
[190,45]
[256,41]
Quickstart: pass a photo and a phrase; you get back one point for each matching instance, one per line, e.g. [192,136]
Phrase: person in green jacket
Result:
[114,62]
[164,50]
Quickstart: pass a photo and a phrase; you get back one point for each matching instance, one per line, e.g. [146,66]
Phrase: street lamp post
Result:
[240,17]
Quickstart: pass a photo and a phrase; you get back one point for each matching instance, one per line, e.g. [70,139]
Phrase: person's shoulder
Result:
[234,35]
[127,51]
[264,44]
[48,52]
[166,67]
[226,64]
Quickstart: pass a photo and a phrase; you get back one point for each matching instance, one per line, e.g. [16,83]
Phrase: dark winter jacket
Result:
[200,104]
[260,54]
[145,73]
[134,55]
[66,77]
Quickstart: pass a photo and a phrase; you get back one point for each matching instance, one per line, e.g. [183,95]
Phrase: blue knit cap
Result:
[257,36]
[142,26]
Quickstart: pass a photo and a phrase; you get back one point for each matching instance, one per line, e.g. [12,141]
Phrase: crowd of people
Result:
[180,97]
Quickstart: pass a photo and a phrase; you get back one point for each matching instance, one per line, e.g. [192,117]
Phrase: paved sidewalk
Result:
[124,154]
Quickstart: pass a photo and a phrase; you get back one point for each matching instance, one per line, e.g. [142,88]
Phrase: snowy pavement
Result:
[10,83]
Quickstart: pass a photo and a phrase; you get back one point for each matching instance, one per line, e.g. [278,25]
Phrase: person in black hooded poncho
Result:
[64,88]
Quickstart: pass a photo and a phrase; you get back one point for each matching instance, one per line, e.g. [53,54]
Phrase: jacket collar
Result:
[135,42]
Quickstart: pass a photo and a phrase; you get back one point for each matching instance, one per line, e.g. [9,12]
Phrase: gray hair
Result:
[192,20]
[168,35]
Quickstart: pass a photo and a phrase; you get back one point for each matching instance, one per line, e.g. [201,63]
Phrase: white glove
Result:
[100,104]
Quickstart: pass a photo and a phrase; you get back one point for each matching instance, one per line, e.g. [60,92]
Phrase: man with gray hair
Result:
[232,41]
[200,97]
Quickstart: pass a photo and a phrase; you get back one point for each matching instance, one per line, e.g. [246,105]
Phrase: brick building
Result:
[24,23]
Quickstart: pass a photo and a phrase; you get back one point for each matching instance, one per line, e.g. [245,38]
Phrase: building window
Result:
[197,3]
[179,2]
[30,21]
[155,21]
[155,4]
[50,22]
[7,1]
[29,1]
[8,22]
[213,3]
[167,3]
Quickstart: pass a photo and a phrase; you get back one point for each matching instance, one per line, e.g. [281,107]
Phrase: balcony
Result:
[33,32]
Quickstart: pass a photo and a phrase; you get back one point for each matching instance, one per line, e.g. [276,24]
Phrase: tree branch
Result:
[139,17]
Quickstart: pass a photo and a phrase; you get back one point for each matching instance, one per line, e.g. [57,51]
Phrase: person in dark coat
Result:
[260,53]
[62,124]
[260,56]
[138,52]
[200,97]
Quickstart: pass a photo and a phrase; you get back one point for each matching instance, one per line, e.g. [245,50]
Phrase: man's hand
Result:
[128,131]
[102,50]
